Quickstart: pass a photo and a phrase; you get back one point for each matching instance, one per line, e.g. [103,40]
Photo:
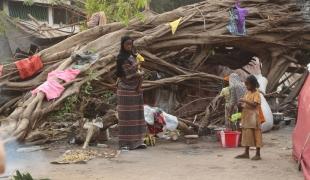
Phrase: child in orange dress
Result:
[251,119]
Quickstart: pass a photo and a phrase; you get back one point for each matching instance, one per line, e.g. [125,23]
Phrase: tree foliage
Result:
[117,10]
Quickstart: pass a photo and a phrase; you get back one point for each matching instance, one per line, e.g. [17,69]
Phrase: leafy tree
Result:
[117,10]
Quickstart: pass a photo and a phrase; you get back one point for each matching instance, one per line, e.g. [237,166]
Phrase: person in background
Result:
[226,94]
[237,90]
[132,126]
[250,120]
[97,19]
[2,158]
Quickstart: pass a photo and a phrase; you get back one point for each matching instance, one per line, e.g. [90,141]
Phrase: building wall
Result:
[41,10]
[41,1]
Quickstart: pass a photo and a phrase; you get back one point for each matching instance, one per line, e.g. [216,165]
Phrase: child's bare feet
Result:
[243,156]
[256,158]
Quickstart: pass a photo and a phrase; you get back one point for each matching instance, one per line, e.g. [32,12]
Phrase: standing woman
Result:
[130,108]
[237,91]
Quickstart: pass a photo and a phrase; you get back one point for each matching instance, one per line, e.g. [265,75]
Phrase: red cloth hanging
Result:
[29,66]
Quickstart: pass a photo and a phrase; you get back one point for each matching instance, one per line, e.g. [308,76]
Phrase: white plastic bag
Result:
[149,114]
[262,82]
[268,124]
[171,122]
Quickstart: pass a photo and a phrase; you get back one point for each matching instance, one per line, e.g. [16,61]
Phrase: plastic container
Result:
[218,133]
[230,139]
[278,117]
[218,136]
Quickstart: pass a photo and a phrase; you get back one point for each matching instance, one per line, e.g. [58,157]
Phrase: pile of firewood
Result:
[182,63]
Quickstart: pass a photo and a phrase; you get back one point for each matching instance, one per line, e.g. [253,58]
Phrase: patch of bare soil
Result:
[169,161]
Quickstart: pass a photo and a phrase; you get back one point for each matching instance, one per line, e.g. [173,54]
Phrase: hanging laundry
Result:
[174,25]
[51,88]
[29,66]
[242,13]
[236,25]
[1,70]
[66,75]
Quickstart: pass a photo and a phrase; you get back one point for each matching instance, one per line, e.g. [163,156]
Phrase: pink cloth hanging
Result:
[66,75]
[51,88]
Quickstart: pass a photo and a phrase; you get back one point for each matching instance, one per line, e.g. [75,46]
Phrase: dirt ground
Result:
[169,161]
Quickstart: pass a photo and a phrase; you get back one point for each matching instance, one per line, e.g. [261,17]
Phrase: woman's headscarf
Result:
[237,88]
[123,55]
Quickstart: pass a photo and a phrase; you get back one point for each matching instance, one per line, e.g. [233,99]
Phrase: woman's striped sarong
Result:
[131,122]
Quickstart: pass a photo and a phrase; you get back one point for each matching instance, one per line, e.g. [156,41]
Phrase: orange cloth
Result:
[252,117]
[261,116]
[29,66]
